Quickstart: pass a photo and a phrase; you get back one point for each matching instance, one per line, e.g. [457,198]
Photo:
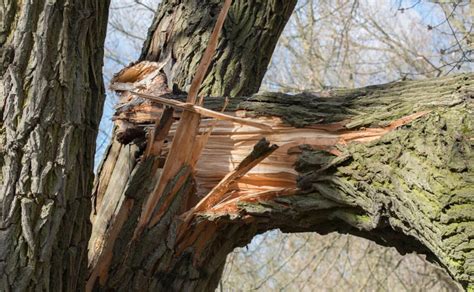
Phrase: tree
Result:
[51,97]
[409,187]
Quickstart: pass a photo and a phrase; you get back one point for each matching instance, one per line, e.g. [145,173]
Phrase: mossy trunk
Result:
[391,163]
[51,97]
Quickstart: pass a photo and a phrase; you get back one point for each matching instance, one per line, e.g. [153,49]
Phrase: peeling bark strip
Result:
[201,110]
[51,97]
[208,53]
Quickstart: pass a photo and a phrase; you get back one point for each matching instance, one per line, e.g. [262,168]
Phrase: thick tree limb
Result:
[349,186]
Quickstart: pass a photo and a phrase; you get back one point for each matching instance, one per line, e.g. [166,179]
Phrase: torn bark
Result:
[200,110]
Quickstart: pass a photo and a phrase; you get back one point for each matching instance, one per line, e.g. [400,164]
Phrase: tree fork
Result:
[362,167]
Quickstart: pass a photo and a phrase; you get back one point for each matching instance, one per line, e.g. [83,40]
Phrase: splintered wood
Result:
[181,152]
[215,159]
[260,151]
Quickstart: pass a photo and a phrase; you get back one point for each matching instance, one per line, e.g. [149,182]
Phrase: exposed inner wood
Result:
[233,136]
[260,151]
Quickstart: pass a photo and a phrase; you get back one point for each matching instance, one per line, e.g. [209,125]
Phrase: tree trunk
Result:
[178,38]
[390,163]
[51,97]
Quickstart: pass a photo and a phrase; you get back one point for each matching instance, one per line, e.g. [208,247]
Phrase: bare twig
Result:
[203,111]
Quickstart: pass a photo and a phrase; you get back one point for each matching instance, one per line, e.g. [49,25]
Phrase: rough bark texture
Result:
[178,38]
[181,30]
[391,163]
[51,97]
